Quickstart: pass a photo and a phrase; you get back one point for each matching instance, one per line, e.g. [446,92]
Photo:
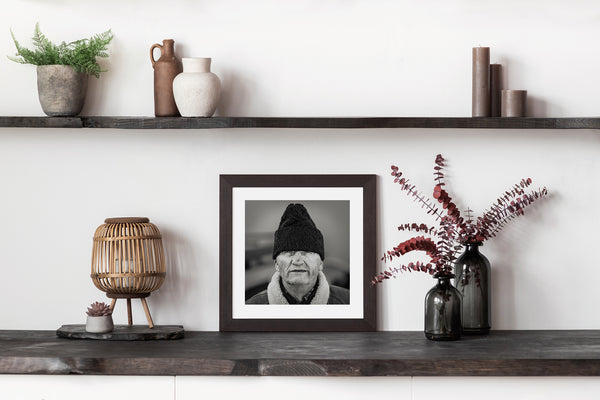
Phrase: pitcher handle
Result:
[154,46]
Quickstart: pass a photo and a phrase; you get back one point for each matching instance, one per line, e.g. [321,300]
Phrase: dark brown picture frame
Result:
[369,310]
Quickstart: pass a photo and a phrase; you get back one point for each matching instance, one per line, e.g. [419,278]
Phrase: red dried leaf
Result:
[453,228]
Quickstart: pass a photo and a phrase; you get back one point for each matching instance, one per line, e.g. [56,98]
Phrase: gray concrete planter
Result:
[61,90]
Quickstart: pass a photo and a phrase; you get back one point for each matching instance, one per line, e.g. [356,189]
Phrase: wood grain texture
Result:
[300,122]
[341,123]
[502,353]
[41,122]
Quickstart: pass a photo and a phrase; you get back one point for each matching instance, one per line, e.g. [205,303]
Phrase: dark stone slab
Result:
[501,353]
[123,332]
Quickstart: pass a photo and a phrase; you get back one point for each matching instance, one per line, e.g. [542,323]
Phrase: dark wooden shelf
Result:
[502,353]
[41,122]
[306,123]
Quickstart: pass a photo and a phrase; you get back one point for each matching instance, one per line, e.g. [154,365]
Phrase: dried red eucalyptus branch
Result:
[453,230]
[508,206]
[442,253]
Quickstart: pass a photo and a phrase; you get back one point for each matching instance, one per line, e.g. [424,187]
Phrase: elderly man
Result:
[298,253]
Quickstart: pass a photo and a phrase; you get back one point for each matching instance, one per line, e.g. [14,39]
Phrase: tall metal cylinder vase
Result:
[481,82]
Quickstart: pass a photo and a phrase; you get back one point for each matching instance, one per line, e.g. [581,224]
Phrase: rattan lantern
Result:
[128,261]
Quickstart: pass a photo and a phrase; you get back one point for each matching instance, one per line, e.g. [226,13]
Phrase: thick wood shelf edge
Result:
[41,122]
[502,353]
[299,122]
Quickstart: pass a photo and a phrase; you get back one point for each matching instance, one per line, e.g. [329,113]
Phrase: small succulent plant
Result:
[99,310]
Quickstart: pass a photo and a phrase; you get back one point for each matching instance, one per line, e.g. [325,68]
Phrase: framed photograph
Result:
[297,253]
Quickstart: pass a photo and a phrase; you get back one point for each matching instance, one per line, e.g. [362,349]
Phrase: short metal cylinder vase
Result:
[473,281]
[443,319]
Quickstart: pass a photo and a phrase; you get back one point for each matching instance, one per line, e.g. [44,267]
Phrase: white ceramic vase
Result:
[102,324]
[196,89]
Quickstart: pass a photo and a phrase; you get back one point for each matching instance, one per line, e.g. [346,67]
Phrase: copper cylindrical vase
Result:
[481,82]
[514,103]
[495,90]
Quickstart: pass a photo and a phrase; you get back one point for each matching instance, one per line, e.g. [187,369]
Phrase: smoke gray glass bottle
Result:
[473,281]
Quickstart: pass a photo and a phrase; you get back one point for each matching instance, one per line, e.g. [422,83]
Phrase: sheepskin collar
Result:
[276,296]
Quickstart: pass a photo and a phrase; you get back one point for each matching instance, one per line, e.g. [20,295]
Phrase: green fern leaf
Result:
[80,54]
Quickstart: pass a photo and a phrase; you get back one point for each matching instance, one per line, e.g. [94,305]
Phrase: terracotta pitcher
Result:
[166,69]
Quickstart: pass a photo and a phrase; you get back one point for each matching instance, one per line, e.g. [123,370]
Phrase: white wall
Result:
[303,58]
[324,58]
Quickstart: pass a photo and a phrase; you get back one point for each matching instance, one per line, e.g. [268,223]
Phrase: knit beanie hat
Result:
[297,232]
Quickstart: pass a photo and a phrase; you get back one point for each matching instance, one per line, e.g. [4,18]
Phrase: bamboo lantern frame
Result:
[128,261]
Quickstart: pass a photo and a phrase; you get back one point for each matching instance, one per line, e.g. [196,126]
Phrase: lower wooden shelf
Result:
[502,353]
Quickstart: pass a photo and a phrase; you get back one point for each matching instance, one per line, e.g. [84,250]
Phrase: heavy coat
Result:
[326,293]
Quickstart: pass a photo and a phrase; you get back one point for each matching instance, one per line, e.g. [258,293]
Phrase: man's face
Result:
[299,267]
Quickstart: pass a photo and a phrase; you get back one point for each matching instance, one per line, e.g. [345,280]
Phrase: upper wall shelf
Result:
[298,122]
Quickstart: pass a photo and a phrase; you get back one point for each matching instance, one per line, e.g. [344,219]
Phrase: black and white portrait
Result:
[297,252]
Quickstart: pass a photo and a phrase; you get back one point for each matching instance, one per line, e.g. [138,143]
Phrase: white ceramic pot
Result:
[102,324]
[196,89]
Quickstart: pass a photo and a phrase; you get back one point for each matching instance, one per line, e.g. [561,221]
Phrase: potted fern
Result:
[99,318]
[63,69]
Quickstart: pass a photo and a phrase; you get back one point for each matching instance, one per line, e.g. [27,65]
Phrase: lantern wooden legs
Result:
[147,311]
[129,297]
[129,317]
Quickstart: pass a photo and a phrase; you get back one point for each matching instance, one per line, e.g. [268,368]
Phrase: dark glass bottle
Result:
[473,273]
[443,311]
